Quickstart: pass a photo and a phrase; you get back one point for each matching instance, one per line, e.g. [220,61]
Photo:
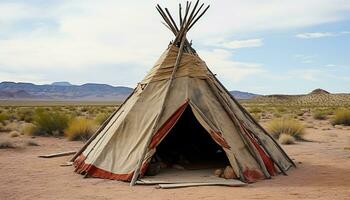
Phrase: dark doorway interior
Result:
[189,145]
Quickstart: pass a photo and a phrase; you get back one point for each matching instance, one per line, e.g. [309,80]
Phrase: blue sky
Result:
[264,47]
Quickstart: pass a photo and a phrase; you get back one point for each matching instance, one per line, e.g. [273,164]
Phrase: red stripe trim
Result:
[217,137]
[164,129]
[93,171]
[252,175]
[266,159]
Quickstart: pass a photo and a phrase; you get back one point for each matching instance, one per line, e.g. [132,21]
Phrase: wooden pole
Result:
[159,9]
[250,147]
[195,14]
[199,17]
[252,119]
[171,19]
[180,14]
[172,77]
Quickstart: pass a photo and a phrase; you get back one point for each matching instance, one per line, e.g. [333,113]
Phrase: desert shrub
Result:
[101,117]
[12,126]
[80,129]
[281,109]
[320,115]
[14,134]
[277,115]
[6,145]
[256,116]
[84,109]
[50,123]
[299,112]
[29,129]
[341,117]
[255,110]
[290,127]
[3,117]
[286,139]
[25,114]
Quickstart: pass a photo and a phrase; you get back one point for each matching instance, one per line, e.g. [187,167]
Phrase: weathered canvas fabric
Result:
[135,129]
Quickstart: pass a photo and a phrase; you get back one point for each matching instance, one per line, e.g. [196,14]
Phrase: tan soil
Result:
[323,173]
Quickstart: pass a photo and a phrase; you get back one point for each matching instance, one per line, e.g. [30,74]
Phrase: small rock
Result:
[229,173]
[338,127]
[218,172]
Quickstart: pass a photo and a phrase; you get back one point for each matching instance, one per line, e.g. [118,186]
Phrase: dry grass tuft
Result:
[320,115]
[3,117]
[13,126]
[29,129]
[255,110]
[286,139]
[14,134]
[290,127]
[341,117]
[80,129]
[256,116]
[6,145]
[101,117]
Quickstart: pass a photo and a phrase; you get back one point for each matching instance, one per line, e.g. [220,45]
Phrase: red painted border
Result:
[93,171]
[217,137]
[266,159]
[167,126]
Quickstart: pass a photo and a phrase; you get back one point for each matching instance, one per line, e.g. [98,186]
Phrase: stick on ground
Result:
[59,154]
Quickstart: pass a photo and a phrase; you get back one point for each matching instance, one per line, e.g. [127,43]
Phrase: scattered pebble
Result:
[229,173]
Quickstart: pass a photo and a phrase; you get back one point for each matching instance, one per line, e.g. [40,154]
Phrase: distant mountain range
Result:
[317,97]
[67,91]
[243,95]
[63,91]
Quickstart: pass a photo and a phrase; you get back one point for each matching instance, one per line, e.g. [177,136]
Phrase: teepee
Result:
[179,82]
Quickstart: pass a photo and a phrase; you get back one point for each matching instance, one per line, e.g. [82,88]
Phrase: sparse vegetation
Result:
[80,129]
[6,145]
[14,134]
[286,139]
[101,117]
[3,117]
[25,114]
[255,110]
[13,126]
[341,117]
[320,115]
[50,123]
[290,127]
[52,119]
[29,129]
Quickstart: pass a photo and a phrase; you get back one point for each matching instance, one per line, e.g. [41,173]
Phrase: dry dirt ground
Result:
[323,172]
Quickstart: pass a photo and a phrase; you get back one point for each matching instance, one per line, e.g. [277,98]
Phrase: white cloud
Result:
[314,35]
[71,36]
[237,44]
[221,63]
[320,34]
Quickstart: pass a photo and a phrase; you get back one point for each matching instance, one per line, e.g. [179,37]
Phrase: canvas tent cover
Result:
[129,139]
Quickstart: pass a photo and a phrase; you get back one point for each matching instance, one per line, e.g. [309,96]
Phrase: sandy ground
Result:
[323,173]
